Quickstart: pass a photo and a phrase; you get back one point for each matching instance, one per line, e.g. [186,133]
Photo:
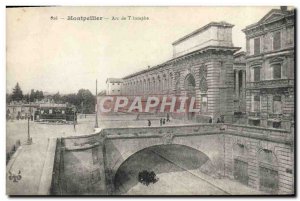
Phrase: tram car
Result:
[59,113]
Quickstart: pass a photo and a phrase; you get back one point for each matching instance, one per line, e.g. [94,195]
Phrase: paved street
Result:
[29,159]
[178,170]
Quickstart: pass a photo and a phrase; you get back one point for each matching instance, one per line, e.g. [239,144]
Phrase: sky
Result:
[66,55]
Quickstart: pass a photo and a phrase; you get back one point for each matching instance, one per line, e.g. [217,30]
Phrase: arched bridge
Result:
[94,164]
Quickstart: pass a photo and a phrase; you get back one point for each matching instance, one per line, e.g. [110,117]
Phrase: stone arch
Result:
[199,158]
[177,87]
[268,170]
[118,154]
[170,81]
[190,84]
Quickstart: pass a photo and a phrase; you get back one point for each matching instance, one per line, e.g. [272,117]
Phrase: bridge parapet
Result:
[277,135]
[194,129]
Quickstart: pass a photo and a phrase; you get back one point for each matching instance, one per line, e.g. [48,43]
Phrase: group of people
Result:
[162,121]
[218,120]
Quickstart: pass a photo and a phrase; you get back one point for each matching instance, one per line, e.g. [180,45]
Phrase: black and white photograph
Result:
[150,101]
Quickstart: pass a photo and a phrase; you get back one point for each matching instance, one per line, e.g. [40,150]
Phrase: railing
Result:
[275,116]
[278,135]
[89,141]
[254,114]
[271,83]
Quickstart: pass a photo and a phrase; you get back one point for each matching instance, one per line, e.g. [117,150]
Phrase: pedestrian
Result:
[168,117]
[164,121]
[149,122]
[210,120]
[218,121]
[160,121]
[74,126]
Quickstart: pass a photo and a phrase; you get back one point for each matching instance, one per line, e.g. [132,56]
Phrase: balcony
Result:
[254,114]
[265,84]
[275,116]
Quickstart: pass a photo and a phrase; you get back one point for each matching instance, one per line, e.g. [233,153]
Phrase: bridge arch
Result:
[118,150]
[161,158]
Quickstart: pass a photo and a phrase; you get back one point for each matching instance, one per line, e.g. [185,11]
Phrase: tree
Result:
[17,94]
[37,95]
[41,95]
[85,101]
[56,97]
[8,98]
[27,98]
[32,95]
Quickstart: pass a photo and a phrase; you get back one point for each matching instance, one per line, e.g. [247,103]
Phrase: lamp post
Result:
[29,140]
[96,109]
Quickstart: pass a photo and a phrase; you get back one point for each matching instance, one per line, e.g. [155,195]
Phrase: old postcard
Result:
[150,101]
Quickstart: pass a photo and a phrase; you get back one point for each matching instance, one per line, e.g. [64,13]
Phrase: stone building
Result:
[270,70]
[239,96]
[19,110]
[114,86]
[201,67]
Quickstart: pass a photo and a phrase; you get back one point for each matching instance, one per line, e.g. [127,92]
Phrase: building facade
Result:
[114,86]
[270,70]
[201,67]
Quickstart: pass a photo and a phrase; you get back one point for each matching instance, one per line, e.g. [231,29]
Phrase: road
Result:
[178,170]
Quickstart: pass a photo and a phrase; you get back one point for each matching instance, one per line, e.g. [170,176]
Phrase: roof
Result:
[238,54]
[53,105]
[234,49]
[222,24]
[116,80]
[271,16]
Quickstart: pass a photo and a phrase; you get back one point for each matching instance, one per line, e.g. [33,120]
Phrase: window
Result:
[257,46]
[256,104]
[204,104]
[276,124]
[277,109]
[256,72]
[276,71]
[276,40]
[50,111]
[254,122]
[268,179]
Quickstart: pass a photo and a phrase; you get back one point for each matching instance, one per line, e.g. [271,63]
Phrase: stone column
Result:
[244,84]
[237,83]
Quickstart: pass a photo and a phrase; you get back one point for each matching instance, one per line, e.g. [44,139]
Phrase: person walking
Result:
[160,121]
[149,122]
[164,121]
[168,117]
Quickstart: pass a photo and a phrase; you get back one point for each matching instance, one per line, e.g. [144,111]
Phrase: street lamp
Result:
[96,109]
[29,139]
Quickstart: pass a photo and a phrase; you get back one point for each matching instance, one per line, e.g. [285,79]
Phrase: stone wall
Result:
[88,164]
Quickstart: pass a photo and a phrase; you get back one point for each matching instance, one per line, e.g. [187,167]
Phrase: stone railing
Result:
[271,83]
[254,114]
[275,116]
[270,134]
[89,141]
[159,131]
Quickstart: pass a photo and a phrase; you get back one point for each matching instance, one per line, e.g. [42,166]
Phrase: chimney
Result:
[283,8]
[148,67]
